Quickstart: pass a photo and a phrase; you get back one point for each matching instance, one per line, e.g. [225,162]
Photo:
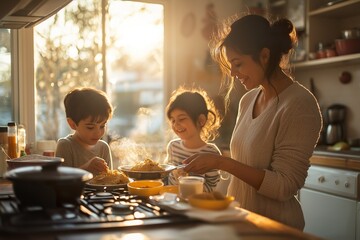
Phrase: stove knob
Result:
[321,179]
[347,184]
[337,182]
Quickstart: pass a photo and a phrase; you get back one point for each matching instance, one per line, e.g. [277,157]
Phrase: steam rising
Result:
[127,152]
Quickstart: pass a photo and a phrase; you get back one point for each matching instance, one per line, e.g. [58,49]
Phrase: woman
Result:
[278,122]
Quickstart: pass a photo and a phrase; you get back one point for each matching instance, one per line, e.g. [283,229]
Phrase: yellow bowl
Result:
[170,189]
[145,188]
[210,204]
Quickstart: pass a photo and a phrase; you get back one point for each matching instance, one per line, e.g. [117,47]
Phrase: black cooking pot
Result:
[48,186]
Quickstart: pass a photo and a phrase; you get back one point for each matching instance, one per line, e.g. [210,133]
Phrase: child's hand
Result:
[177,173]
[96,165]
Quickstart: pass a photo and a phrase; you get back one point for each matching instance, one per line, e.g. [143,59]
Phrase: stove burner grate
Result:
[96,210]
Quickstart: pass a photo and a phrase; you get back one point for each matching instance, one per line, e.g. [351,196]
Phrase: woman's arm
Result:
[203,162]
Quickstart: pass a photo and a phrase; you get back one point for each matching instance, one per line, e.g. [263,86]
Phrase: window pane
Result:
[135,73]
[5,77]
[68,54]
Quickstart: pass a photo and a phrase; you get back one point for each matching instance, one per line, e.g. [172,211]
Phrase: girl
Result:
[195,120]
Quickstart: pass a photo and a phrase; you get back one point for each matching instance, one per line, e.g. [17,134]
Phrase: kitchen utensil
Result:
[105,186]
[48,186]
[5,153]
[352,33]
[32,160]
[347,46]
[147,175]
[145,188]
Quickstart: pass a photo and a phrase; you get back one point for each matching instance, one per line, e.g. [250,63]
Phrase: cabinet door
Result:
[328,216]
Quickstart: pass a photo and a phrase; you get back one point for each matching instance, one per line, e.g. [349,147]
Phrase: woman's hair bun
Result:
[282,30]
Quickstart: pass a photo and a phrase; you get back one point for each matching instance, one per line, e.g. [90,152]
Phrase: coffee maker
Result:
[335,130]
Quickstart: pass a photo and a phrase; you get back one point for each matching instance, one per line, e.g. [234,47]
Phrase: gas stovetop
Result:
[96,209]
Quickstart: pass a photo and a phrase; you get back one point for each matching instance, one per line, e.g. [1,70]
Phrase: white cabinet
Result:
[329,200]
[328,216]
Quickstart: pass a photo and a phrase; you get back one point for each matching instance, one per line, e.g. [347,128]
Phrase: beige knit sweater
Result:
[280,141]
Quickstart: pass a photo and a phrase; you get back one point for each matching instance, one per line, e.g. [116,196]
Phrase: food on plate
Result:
[147,165]
[210,196]
[110,177]
[211,201]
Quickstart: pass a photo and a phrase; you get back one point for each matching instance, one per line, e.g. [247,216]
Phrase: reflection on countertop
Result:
[353,153]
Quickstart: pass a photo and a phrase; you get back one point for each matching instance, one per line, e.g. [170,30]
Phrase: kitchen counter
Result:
[349,160]
[252,226]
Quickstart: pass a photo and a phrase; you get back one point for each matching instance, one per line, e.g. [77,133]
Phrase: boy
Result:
[87,112]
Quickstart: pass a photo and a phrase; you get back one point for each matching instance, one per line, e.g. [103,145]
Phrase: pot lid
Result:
[48,172]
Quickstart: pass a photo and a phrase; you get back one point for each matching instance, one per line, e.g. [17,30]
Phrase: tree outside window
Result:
[102,44]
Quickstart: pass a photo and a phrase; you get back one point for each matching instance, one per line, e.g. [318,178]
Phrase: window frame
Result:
[24,89]
[22,72]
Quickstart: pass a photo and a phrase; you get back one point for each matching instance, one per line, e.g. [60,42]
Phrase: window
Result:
[70,52]
[6,98]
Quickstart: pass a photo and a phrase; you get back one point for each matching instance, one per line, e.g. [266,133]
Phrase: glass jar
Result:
[21,140]
[12,140]
[3,150]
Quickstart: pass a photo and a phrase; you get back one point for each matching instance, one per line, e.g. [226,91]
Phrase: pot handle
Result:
[51,166]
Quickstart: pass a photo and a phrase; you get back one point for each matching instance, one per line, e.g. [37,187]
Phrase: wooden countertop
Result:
[348,160]
[335,162]
[253,227]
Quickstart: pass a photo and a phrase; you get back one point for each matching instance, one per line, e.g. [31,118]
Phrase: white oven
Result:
[330,202]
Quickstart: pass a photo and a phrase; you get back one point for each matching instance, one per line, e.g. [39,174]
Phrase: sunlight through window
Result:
[69,53]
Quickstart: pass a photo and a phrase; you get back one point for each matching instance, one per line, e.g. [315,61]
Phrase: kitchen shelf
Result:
[333,61]
[341,9]
[324,24]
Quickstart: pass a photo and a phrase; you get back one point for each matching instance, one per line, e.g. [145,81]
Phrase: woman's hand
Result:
[202,162]
[95,165]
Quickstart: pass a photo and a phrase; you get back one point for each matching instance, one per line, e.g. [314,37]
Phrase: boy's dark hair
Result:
[82,103]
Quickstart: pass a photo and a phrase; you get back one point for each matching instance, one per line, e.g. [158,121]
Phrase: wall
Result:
[330,90]
[189,48]
[189,52]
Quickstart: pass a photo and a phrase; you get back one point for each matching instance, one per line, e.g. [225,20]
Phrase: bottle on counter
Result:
[12,140]
[3,150]
[21,140]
